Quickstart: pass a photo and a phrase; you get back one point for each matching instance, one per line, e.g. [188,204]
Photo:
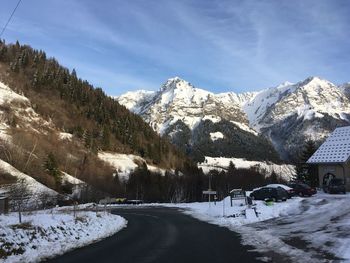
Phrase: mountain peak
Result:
[174,83]
[315,81]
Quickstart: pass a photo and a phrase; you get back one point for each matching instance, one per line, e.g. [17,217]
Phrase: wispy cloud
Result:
[216,44]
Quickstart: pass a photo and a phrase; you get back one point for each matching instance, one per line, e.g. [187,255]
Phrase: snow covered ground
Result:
[126,163]
[67,178]
[315,229]
[34,188]
[65,136]
[218,163]
[216,136]
[16,105]
[49,233]
[318,230]
[223,214]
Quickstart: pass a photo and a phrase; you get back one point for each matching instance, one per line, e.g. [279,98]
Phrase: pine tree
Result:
[51,168]
[35,80]
[306,172]
[105,140]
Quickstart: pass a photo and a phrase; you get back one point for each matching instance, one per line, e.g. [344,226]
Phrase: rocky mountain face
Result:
[243,125]
[200,122]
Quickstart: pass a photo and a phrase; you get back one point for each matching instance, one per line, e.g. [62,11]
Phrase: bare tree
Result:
[46,200]
[178,195]
[19,197]
[30,155]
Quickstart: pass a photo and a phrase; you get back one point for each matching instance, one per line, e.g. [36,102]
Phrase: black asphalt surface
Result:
[164,235]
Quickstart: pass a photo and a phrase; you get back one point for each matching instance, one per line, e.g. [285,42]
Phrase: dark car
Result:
[289,190]
[335,186]
[302,189]
[270,193]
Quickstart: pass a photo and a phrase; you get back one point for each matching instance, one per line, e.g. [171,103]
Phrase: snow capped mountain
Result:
[287,115]
[291,113]
[311,110]
[309,99]
[189,116]
[180,100]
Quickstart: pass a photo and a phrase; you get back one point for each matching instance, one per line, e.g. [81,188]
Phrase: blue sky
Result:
[217,45]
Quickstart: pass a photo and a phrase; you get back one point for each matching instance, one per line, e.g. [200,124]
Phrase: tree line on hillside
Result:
[188,186]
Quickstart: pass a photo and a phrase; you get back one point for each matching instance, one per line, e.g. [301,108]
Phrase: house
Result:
[333,157]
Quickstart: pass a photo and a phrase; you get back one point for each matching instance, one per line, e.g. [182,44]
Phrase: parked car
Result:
[270,193]
[289,190]
[335,186]
[302,189]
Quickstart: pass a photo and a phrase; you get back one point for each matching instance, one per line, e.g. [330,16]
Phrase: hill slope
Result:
[52,121]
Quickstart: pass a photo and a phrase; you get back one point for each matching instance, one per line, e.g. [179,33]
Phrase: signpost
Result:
[209,192]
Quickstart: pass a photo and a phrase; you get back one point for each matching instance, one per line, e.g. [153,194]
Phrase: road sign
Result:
[209,192]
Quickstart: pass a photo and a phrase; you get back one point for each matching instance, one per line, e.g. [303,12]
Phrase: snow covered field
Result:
[315,229]
[34,188]
[219,163]
[126,163]
[49,233]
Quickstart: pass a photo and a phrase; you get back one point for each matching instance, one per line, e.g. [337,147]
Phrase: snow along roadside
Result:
[233,215]
[48,233]
[314,229]
[233,218]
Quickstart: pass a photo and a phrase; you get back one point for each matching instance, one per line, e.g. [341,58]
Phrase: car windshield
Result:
[337,182]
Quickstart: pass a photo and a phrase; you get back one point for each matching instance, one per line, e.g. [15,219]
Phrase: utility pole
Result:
[209,188]
[223,206]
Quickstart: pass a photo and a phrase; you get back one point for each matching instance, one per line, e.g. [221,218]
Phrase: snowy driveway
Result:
[316,231]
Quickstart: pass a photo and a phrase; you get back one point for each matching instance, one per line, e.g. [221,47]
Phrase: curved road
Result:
[163,235]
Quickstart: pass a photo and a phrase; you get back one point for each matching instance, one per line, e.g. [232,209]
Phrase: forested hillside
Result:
[78,108]
[60,101]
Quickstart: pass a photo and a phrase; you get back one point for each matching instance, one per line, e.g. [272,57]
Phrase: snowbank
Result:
[239,214]
[49,233]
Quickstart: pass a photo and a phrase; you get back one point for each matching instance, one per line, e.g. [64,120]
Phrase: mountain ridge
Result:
[295,109]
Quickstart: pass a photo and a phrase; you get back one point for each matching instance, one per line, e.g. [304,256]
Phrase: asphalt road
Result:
[164,235]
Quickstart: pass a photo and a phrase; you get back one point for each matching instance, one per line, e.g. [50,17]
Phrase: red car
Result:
[302,189]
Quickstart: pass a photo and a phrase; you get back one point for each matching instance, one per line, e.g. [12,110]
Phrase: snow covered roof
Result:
[336,149]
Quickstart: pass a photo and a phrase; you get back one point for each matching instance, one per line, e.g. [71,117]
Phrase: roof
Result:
[336,149]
